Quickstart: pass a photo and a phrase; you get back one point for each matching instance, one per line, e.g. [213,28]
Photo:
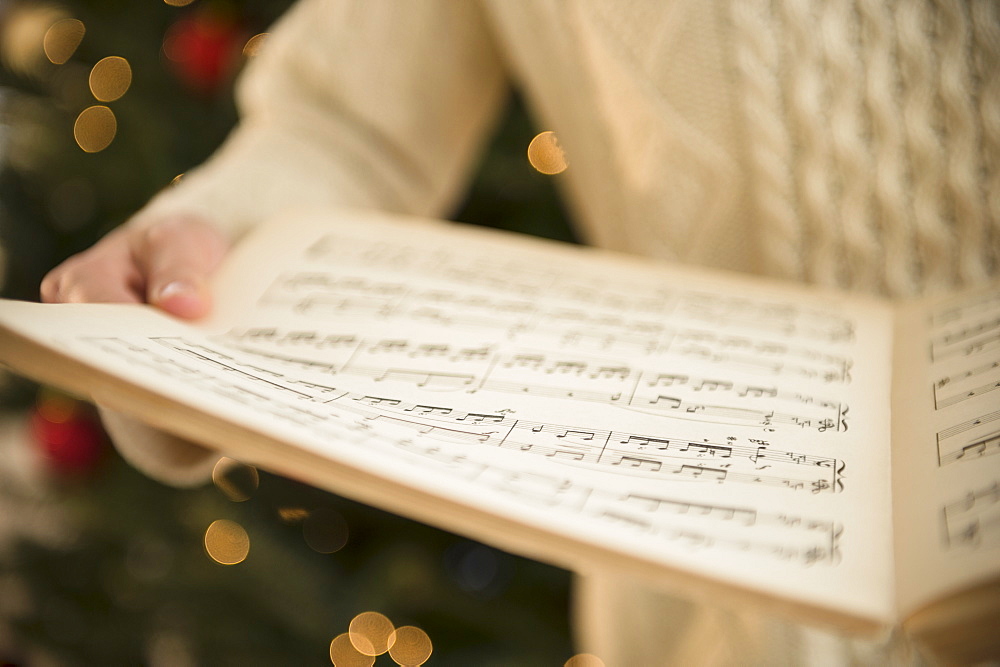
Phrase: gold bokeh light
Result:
[110,78]
[62,39]
[253,45]
[370,633]
[293,514]
[178,3]
[236,480]
[584,660]
[95,128]
[410,646]
[226,542]
[22,35]
[343,653]
[546,155]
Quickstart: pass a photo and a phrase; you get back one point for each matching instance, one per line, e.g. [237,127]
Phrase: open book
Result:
[822,454]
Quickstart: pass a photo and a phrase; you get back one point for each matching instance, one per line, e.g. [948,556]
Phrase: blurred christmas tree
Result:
[102,104]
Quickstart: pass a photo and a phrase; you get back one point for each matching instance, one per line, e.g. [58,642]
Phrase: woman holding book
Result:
[848,144]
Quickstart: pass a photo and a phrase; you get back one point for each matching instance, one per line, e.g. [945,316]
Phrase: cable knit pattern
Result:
[807,107]
[850,175]
[770,158]
[962,140]
[891,209]
[922,125]
[889,136]
[985,16]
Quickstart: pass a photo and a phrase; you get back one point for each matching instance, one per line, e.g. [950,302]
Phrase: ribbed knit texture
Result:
[872,133]
[985,58]
[758,56]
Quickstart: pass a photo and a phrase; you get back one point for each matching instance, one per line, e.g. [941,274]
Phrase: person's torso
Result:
[851,144]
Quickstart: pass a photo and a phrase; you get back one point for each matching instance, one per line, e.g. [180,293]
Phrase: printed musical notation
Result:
[455,442]
[967,335]
[587,317]
[954,446]
[967,384]
[969,327]
[963,347]
[525,276]
[504,368]
[973,521]
[692,525]
[978,337]
[751,462]
[660,411]
[783,536]
[965,309]
[620,452]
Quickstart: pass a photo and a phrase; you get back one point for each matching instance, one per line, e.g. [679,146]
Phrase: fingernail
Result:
[176,288]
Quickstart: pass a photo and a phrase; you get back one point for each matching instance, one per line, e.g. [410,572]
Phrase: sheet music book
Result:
[811,452]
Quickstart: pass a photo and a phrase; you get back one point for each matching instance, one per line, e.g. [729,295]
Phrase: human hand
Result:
[166,264]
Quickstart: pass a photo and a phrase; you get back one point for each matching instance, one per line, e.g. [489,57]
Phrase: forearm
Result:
[358,104]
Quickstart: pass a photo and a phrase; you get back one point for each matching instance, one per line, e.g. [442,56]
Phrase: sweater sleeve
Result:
[358,103]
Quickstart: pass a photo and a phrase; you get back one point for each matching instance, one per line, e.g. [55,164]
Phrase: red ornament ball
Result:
[204,49]
[68,434]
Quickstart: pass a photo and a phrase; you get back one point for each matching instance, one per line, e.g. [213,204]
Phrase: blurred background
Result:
[102,104]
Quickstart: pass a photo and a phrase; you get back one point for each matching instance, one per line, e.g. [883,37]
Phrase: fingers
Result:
[105,273]
[166,264]
[177,257]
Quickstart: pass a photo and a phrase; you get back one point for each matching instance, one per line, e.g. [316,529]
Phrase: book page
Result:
[716,427]
[946,458]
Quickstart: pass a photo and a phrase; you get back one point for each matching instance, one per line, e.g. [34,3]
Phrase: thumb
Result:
[177,257]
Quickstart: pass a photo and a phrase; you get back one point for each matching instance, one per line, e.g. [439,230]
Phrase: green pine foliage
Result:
[134,585]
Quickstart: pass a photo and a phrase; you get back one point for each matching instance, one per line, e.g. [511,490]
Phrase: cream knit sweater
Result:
[851,142]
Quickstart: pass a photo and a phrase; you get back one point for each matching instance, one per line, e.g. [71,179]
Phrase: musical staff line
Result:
[446,439]
[731,461]
[606,318]
[948,452]
[955,399]
[608,381]
[954,388]
[973,521]
[677,458]
[975,449]
[985,343]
